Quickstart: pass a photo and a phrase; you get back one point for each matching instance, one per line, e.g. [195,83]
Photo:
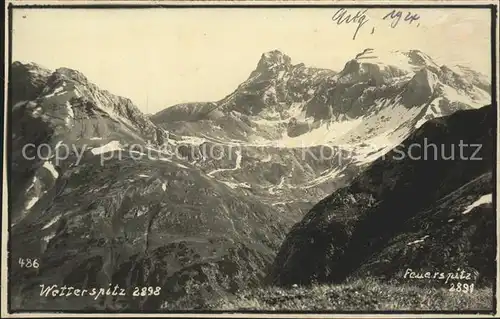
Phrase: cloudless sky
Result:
[161,57]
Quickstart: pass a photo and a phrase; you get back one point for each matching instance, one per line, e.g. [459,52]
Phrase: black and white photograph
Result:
[250,158]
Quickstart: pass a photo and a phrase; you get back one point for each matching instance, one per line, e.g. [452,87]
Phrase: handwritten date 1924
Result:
[360,18]
[395,16]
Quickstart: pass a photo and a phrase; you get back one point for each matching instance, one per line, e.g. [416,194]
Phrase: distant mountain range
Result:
[297,145]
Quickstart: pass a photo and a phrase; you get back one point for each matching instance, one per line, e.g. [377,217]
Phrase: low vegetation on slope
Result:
[359,295]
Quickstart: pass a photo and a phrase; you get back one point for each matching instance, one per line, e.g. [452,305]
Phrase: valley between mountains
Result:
[295,179]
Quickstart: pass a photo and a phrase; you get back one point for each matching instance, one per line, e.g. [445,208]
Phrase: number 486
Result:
[28,263]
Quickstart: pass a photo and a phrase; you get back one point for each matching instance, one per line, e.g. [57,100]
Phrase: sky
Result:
[161,57]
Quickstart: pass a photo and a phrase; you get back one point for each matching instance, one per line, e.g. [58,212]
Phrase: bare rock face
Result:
[420,89]
[27,81]
[273,62]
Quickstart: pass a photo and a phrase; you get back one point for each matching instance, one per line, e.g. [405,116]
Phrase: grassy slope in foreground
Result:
[359,295]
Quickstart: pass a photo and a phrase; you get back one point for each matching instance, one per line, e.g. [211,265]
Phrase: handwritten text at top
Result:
[360,18]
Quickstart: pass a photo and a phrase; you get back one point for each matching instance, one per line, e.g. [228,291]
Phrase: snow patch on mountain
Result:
[71,113]
[238,160]
[237,185]
[35,179]
[110,147]
[485,199]
[324,134]
[50,167]
[477,98]
[32,202]
[55,92]
[406,60]
[52,222]
[421,240]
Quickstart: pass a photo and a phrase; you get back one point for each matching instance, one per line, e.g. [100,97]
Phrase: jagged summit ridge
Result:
[410,60]
[71,74]
[67,90]
[288,100]
[272,59]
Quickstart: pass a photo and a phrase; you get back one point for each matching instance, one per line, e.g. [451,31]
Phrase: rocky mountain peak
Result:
[273,59]
[411,60]
[28,79]
[28,66]
[417,57]
[71,74]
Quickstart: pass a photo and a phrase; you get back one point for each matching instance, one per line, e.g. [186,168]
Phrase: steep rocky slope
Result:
[138,224]
[429,212]
[62,108]
[105,213]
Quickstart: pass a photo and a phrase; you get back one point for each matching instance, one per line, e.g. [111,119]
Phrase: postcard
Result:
[250,159]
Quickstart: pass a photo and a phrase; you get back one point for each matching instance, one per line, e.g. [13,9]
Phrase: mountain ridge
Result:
[273,62]
[202,224]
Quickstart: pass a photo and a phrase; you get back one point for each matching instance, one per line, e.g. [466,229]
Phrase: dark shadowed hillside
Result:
[405,213]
